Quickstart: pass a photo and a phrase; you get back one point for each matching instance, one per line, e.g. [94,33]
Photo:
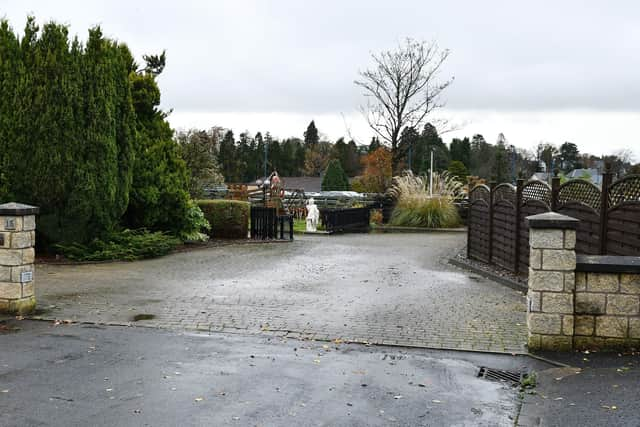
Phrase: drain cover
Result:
[512,377]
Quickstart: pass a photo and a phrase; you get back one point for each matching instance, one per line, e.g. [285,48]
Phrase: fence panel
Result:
[609,219]
[504,226]
[623,217]
[535,199]
[581,200]
[479,223]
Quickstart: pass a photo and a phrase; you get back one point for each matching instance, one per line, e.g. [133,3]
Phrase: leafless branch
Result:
[402,88]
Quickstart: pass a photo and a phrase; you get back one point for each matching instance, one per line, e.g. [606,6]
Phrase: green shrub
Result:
[195,224]
[416,207]
[228,218]
[435,212]
[335,179]
[126,245]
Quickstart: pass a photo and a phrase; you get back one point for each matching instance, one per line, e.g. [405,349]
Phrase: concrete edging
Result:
[489,275]
[396,229]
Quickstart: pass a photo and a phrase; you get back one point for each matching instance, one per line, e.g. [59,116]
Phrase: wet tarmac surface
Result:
[79,375]
[393,289]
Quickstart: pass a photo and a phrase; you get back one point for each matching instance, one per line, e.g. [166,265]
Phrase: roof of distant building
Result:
[306,183]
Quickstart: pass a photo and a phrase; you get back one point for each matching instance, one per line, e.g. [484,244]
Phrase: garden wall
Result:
[607,304]
[578,301]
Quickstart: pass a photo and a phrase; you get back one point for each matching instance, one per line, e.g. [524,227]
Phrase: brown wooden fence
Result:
[609,218]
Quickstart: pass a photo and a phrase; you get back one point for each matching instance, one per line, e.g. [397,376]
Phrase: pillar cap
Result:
[552,220]
[15,209]
[608,264]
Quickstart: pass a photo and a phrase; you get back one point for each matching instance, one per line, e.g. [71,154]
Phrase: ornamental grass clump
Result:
[417,208]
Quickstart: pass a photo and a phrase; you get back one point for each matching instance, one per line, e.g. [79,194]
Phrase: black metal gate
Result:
[266,224]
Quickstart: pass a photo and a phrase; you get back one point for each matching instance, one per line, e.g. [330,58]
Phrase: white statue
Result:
[313,215]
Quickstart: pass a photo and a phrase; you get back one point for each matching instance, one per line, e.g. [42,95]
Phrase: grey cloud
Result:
[294,56]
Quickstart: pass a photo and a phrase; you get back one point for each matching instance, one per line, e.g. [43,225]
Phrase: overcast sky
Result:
[537,71]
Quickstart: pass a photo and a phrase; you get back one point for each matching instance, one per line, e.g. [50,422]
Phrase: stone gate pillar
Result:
[550,298]
[17,253]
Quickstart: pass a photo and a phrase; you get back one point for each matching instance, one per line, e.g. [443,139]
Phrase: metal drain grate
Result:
[514,378]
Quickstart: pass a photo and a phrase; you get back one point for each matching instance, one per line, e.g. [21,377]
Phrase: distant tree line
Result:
[243,159]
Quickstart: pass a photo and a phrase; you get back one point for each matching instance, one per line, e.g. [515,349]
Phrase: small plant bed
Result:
[61,259]
[127,245]
[300,226]
[419,207]
[386,228]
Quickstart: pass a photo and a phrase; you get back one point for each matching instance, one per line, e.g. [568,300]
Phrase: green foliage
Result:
[300,226]
[460,150]
[311,137]
[66,129]
[126,245]
[198,150]
[335,179]
[415,206]
[196,224]
[159,198]
[569,156]
[458,170]
[435,212]
[228,218]
[414,150]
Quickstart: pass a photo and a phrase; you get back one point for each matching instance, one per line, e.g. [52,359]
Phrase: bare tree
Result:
[402,89]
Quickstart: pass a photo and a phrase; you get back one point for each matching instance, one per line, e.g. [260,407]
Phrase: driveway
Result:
[394,289]
[79,375]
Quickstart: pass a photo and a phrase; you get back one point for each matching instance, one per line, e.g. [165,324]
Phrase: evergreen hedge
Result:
[81,136]
[228,218]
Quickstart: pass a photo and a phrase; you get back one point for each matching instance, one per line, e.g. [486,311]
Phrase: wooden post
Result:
[492,186]
[290,227]
[555,192]
[607,178]
[519,188]
[469,225]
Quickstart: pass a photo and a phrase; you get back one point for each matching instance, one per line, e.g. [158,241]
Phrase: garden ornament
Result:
[313,215]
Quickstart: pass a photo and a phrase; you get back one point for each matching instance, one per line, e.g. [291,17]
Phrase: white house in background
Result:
[541,176]
[592,174]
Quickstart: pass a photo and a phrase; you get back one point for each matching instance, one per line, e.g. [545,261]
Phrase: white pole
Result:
[431,176]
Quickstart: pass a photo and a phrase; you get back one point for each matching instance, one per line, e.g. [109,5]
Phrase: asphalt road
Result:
[79,375]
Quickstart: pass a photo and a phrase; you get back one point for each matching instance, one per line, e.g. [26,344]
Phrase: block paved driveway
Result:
[394,289]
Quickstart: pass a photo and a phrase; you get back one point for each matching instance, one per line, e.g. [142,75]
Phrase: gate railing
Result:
[609,218]
[340,220]
[266,224]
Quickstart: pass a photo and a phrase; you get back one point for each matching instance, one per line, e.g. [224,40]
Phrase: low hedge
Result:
[228,218]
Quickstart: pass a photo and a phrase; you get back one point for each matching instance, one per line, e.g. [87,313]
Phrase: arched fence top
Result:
[580,191]
[504,193]
[480,192]
[624,190]
[539,191]
[609,218]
